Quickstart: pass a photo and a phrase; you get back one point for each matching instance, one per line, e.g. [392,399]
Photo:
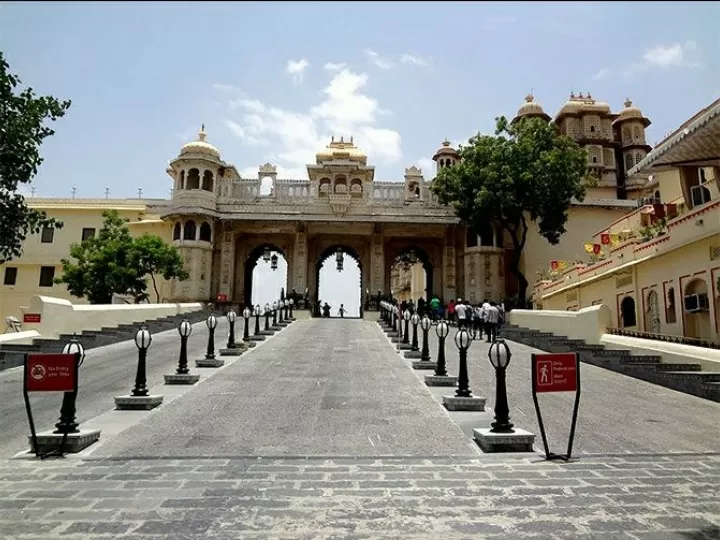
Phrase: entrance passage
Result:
[339,282]
[265,275]
[411,276]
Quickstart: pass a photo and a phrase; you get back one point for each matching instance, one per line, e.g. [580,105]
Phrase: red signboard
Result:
[51,373]
[555,372]
[32,318]
[222,297]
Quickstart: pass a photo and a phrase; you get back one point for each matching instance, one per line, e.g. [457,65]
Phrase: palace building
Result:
[224,224]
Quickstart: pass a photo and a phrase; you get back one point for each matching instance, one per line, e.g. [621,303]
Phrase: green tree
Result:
[152,256]
[525,173]
[113,262]
[22,131]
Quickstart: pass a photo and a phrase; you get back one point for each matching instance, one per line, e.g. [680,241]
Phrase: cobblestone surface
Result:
[658,497]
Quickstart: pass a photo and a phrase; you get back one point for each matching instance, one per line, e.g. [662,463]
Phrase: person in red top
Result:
[451,310]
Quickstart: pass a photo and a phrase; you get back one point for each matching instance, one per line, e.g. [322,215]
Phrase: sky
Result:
[273,81]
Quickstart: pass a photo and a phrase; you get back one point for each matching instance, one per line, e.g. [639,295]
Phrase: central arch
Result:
[323,257]
[253,258]
[417,254]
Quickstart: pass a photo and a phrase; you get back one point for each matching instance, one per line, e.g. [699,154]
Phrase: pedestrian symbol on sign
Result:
[545,371]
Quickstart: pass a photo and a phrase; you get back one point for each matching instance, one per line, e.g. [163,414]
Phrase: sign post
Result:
[557,372]
[49,373]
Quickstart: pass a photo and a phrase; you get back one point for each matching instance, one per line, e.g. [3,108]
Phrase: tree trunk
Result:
[522,281]
[157,294]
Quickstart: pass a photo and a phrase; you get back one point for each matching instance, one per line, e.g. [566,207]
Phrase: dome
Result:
[531,109]
[631,113]
[341,150]
[579,104]
[446,150]
[200,146]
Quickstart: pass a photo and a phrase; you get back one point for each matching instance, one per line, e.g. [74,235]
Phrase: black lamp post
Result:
[425,325]
[499,355]
[246,330]
[211,323]
[291,302]
[67,422]
[257,319]
[463,341]
[287,308]
[395,315]
[442,330]
[231,317]
[184,329]
[415,319]
[274,310]
[406,332]
[267,317]
[143,339]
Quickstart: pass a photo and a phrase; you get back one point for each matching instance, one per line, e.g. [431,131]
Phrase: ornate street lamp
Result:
[267,317]
[273,261]
[463,341]
[143,339]
[339,259]
[184,329]
[257,319]
[425,324]
[246,330]
[415,319]
[274,310]
[266,254]
[406,333]
[292,303]
[287,310]
[231,318]
[500,355]
[442,330]
[395,317]
[68,410]
[211,323]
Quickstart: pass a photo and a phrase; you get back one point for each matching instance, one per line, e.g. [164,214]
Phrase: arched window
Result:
[486,236]
[205,232]
[627,312]
[471,239]
[207,182]
[190,230]
[670,316]
[628,162]
[177,231]
[182,180]
[193,179]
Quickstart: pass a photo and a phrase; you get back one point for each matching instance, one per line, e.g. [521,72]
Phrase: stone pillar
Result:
[300,264]
[377,262]
[227,262]
[449,266]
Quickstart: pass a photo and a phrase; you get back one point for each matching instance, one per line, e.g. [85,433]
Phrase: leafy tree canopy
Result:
[23,116]
[113,262]
[525,172]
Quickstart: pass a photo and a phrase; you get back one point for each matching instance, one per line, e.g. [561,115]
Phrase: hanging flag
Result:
[614,239]
[596,249]
[605,239]
[588,248]
[554,265]
[562,265]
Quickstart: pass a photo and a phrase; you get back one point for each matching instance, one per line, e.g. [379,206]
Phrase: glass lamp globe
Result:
[406,315]
[247,313]
[499,354]
[185,328]
[415,319]
[462,339]
[231,316]
[425,323]
[442,329]
[211,322]
[143,338]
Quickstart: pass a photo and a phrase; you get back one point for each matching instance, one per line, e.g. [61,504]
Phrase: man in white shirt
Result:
[461,312]
[485,327]
[492,316]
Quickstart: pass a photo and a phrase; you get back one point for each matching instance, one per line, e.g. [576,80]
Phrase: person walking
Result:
[342,311]
[461,311]
[492,316]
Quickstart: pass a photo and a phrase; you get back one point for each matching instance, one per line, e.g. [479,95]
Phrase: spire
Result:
[201,133]
[627,103]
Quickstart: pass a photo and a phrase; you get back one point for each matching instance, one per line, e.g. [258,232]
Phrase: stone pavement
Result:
[325,432]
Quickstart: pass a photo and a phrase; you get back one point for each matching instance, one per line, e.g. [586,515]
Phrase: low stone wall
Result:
[19,338]
[588,324]
[58,316]
[671,353]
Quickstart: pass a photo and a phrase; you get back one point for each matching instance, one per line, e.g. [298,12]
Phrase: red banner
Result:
[555,372]
[32,318]
[597,249]
[605,239]
[554,265]
[221,297]
[51,373]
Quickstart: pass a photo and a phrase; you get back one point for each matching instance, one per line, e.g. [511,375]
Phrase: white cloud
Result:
[427,166]
[331,66]
[375,59]
[665,57]
[415,60]
[602,74]
[296,69]
[293,138]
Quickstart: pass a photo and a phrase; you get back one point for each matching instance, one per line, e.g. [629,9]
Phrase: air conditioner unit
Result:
[700,195]
[696,302]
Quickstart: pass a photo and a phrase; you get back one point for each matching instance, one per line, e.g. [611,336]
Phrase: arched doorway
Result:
[411,274]
[339,279]
[265,275]
[628,317]
[696,310]
[652,315]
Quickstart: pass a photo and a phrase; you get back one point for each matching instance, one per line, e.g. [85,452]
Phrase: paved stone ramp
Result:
[319,388]
[638,498]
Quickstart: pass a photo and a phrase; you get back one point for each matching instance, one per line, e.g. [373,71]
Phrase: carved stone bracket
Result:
[340,203]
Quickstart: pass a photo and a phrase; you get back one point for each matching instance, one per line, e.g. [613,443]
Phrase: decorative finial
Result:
[352,140]
[201,133]
[332,139]
[341,139]
[529,98]
[627,103]
[446,143]
[589,96]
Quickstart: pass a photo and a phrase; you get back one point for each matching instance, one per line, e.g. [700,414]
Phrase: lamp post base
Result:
[517,441]
[210,362]
[472,403]
[404,346]
[182,378]
[423,364]
[137,403]
[413,354]
[76,442]
[257,337]
[440,380]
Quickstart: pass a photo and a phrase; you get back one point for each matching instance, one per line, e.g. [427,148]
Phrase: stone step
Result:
[641,359]
[697,376]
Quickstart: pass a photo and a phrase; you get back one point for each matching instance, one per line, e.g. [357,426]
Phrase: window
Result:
[627,312]
[10,275]
[87,232]
[592,129]
[47,235]
[670,316]
[47,275]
